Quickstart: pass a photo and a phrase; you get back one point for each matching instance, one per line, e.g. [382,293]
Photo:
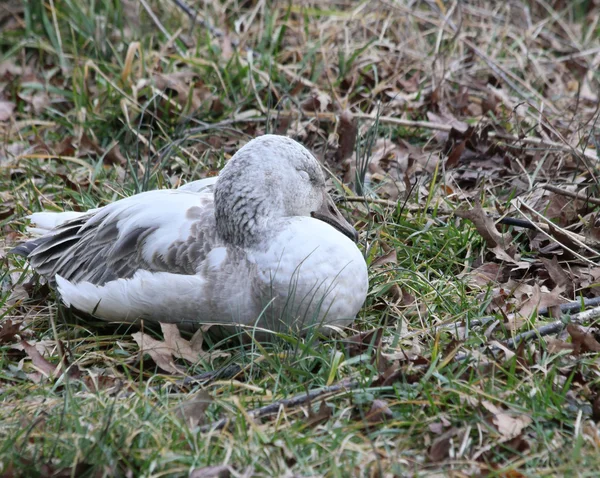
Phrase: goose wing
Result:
[158,231]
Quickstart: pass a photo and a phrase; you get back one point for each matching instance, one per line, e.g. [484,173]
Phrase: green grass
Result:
[58,158]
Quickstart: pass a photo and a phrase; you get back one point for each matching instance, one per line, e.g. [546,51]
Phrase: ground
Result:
[461,139]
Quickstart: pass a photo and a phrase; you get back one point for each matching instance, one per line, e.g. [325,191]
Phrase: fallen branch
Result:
[547,329]
[553,327]
[295,401]
[570,194]
[544,311]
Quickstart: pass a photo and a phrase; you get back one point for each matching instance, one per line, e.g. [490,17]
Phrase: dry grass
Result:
[421,109]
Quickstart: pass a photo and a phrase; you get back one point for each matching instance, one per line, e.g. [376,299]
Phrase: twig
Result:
[570,194]
[507,221]
[553,327]
[159,24]
[223,373]
[382,202]
[546,329]
[300,399]
[576,238]
[544,312]
[188,11]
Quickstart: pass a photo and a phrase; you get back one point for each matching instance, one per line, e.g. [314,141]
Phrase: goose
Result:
[262,246]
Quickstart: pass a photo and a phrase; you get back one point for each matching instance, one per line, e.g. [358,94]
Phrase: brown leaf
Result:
[6,110]
[317,101]
[596,407]
[485,226]
[8,330]
[508,426]
[360,343]
[180,347]
[39,362]
[556,345]
[226,46]
[394,374]
[437,428]
[455,154]
[484,274]
[193,410]
[541,299]
[347,131]
[556,272]
[440,448]
[114,156]
[95,383]
[173,346]
[38,100]
[218,471]
[88,146]
[583,342]
[379,412]
[389,257]
[158,351]
[321,416]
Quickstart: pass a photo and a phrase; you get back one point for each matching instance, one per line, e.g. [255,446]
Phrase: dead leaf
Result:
[158,351]
[108,383]
[360,343]
[556,272]
[226,46]
[193,410]
[596,407]
[486,273]
[8,330]
[322,415]
[347,131]
[42,365]
[437,428]
[447,118]
[379,412]
[440,448]
[317,101]
[114,156]
[555,346]
[38,100]
[508,426]
[541,298]
[583,342]
[180,347]
[218,471]
[6,110]
[394,374]
[455,154]
[173,346]
[485,225]
[389,257]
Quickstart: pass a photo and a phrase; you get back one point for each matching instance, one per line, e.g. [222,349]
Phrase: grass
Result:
[109,101]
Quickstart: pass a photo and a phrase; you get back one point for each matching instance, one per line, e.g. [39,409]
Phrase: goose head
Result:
[272,178]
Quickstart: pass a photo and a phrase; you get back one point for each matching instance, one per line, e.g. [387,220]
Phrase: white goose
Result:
[268,249]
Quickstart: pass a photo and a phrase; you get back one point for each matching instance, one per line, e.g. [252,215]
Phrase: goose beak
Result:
[330,214]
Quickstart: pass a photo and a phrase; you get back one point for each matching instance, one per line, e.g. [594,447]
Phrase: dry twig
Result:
[300,399]
[562,192]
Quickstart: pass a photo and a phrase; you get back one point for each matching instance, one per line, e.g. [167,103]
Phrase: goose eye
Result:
[304,175]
